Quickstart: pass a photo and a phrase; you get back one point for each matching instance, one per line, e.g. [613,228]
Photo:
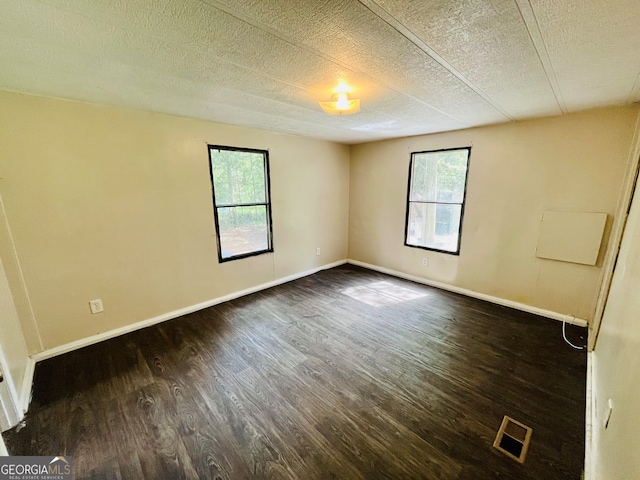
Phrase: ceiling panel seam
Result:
[435,65]
[23,91]
[13,88]
[276,34]
[186,46]
[531,22]
[418,42]
[282,36]
[215,103]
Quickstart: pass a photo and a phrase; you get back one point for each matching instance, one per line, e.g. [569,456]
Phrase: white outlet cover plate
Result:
[96,306]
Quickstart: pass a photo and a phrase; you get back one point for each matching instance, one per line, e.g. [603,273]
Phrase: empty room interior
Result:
[349,239]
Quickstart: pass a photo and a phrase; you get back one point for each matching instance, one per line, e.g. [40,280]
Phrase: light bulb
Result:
[342,102]
[342,88]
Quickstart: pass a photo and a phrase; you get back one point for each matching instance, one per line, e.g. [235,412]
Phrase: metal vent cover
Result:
[513,439]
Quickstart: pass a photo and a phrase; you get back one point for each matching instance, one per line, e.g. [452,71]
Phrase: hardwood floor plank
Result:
[158,444]
[345,374]
[397,443]
[89,435]
[317,459]
[129,466]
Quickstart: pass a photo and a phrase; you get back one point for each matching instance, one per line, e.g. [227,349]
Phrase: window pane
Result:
[238,177]
[434,225]
[243,230]
[439,176]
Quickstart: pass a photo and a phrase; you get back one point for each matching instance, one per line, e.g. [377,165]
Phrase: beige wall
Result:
[517,171]
[617,363]
[116,204]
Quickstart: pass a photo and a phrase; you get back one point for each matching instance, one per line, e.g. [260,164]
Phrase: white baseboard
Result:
[590,421]
[25,392]
[470,293]
[84,342]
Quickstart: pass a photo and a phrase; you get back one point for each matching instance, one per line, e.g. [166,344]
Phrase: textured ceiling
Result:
[417,66]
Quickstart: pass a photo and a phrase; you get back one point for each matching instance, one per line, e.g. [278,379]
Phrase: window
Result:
[435,201]
[241,201]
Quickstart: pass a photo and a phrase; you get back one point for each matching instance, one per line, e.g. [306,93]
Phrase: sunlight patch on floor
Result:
[379,294]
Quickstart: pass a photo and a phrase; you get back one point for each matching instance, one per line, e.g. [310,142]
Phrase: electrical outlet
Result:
[425,262]
[96,306]
[317,251]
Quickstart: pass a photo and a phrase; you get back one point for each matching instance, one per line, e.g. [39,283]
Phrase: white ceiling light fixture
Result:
[341,104]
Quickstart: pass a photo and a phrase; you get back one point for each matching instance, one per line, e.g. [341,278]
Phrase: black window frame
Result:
[463,204]
[267,203]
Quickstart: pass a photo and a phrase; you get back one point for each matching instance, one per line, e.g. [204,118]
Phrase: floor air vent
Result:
[513,439]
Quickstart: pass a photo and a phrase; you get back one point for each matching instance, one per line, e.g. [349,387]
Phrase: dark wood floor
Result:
[303,381]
